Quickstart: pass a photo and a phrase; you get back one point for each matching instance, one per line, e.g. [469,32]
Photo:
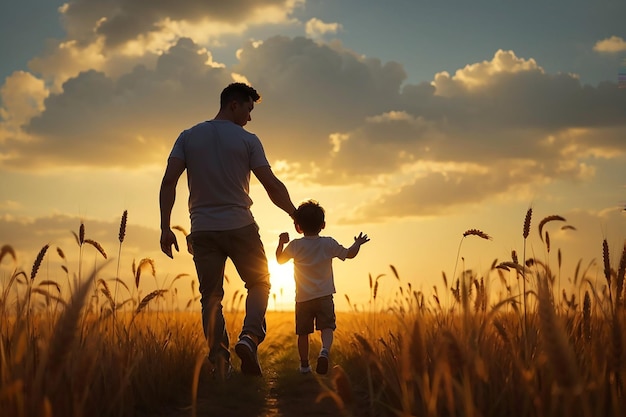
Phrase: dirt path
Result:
[281,392]
[273,395]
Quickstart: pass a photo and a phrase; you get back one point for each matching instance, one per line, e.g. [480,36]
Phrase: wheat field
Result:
[529,348]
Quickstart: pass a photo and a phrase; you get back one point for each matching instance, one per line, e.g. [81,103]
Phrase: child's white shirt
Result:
[312,265]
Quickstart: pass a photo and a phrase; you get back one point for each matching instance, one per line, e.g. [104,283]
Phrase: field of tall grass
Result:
[532,347]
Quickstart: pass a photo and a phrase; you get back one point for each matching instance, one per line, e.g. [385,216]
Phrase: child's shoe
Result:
[305,369]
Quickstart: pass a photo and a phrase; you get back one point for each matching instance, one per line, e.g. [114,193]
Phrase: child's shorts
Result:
[320,311]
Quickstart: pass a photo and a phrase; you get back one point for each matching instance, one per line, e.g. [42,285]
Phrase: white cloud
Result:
[22,97]
[316,29]
[612,45]
[481,74]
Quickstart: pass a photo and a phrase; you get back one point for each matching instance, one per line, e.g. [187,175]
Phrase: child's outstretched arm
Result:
[283,238]
[358,241]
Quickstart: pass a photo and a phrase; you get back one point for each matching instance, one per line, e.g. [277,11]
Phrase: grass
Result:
[529,346]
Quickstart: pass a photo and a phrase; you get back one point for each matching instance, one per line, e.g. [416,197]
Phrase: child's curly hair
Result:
[309,217]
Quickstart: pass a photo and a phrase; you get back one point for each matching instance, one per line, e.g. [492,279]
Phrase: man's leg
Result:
[248,255]
[246,251]
[210,260]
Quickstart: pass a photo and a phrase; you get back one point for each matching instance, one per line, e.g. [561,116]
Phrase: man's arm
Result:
[167,197]
[276,190]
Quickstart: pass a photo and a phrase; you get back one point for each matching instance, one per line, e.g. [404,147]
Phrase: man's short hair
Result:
[240,92]
[309,216]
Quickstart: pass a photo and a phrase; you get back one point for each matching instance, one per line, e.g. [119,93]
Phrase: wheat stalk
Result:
[526,229]
[63,336]
[50,283]
[123,221]
[342,385]
[142,264]
[121,236]
[395,272]
[546,220]
[417,351]
[607,262]
[81,233]
[512,265]
[144,302]
[49,296]
[453,350]
[616,350]
[469,232]
[176,278]
[619,280]
[476,232]
[587,317]
[38,261]
[107,293]
[7,250]
[98,247]
[560,355]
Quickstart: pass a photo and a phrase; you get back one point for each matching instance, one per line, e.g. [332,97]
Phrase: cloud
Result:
[116,36]
[611,45]
[339,118]
[316,29]
[119,22]
[22,97]
[314,90]
[478,75]
[130,121]
[439,189]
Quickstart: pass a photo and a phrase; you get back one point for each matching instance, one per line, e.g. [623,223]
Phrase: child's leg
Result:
[303,349]
[327,338]
[322,359]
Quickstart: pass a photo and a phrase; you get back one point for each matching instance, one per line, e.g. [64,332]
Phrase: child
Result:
[312,256]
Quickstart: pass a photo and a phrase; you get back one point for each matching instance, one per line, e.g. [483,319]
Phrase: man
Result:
[218,155]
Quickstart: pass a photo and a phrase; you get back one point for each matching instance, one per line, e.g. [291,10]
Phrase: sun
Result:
[283,289]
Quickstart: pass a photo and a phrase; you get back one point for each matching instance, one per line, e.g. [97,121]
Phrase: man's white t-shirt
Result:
[312,265]
[219,156]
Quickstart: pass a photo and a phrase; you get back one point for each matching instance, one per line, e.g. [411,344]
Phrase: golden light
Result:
[283,291]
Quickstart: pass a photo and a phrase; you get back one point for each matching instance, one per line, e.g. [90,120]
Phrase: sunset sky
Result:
[411,121]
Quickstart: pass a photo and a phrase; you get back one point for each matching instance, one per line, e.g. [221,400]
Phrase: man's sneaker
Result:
[246,350]
[322,362]
[305,369]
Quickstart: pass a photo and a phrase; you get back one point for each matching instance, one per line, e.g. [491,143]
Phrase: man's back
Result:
[219,156]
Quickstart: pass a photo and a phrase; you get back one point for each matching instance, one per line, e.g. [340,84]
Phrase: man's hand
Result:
[283,238]
[168,238]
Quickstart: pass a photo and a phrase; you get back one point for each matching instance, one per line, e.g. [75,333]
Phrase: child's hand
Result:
[283,238]
[361,239]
